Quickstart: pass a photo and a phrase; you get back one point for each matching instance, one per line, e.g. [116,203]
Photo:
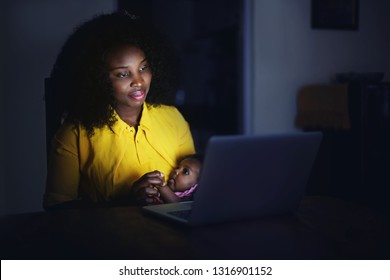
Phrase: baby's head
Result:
[187,173]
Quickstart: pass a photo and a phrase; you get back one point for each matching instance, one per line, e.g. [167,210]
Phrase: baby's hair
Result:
[196,156]
[79,78]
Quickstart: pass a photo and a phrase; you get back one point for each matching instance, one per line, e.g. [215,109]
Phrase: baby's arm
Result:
[167,194]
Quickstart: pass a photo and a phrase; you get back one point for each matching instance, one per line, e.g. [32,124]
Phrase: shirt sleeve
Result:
[186,142]
[62,182]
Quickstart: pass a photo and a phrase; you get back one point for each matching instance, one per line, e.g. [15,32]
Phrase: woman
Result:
[119,137]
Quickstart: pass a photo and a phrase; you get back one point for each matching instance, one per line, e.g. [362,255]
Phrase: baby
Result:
[182,181]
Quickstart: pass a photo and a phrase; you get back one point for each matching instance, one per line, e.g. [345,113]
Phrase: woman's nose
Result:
[136,82]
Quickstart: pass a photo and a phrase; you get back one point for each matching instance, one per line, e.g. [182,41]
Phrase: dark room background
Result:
[241,69]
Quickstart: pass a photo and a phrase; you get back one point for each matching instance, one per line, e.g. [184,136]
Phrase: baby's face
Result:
[185,175]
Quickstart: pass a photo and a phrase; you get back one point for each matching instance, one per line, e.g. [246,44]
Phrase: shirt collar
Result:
[145,122]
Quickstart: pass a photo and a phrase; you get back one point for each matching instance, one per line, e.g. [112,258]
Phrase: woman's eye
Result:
[122,75]
[144,68]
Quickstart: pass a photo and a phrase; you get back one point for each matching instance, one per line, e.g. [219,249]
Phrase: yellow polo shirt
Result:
[104,167]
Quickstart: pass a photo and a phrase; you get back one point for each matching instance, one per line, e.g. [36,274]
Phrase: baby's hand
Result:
[171,184]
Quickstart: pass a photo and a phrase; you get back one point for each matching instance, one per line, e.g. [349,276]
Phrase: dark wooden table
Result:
[323,228]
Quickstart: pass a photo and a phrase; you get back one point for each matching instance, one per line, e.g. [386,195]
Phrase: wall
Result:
[288,54]
[2,121]
[2,117]
[34,33]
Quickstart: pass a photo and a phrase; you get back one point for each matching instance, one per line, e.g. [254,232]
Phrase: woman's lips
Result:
[137,95]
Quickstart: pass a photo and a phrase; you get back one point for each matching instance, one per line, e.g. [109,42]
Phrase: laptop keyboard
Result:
[183,214]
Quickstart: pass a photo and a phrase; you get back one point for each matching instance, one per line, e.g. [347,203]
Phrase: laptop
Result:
[247,176]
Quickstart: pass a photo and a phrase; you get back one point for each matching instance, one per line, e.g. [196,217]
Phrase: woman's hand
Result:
[145,188]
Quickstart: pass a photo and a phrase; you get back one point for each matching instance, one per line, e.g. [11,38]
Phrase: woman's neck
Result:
[131,116]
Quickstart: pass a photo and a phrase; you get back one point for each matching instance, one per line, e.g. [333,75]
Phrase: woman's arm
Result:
[63,177]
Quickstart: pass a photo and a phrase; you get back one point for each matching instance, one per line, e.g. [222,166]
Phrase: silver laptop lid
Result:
[252,176]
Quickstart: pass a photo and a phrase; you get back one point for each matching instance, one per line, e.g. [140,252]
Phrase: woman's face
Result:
[130,76]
